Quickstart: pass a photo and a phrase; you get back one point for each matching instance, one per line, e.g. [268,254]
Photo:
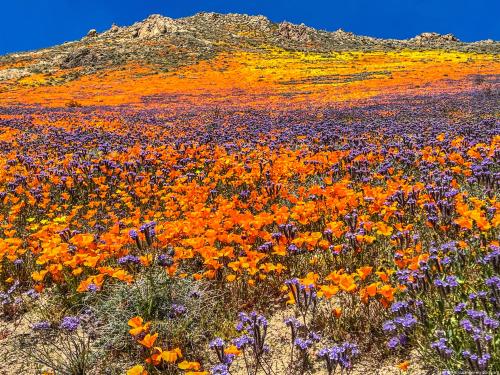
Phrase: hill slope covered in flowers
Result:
[164,219]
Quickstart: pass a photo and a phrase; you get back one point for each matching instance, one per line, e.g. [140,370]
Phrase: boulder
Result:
[92,33]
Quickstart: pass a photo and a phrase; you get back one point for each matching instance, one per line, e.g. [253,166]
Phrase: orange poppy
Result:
[148,340]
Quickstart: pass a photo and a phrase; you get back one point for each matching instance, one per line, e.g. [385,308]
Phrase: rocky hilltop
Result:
[166,42]
[214,26]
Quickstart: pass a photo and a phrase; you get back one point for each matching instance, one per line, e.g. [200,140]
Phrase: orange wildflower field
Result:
[260,212]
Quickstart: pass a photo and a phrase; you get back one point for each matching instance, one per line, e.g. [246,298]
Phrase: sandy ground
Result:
[13,363]
[279,340]
[11,359]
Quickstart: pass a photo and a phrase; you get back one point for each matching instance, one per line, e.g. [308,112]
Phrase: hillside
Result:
[214,51]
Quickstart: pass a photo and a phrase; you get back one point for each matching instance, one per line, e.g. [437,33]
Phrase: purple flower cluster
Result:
[303,344]
[70,323]
[442,348]
[401,326]
[407,321]
[33,294]
[177,310]
[266,247]
[339,355]
[446,286]
[493,259]
[220,369]
[292,249]
[276,236]
[242,342]
[255,328]
[225,360]
[481,328]
[476,362]
[216,343]
[397,341]
[164,260]
[8,298]
[306,343]
[133,234]
[129,259]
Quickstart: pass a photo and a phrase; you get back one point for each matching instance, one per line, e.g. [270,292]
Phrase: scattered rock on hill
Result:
[343,37]
[80,57]
[434,38]
[300,33]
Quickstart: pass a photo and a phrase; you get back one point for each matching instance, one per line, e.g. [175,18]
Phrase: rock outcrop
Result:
[434,38]
[154,26]
[298,33]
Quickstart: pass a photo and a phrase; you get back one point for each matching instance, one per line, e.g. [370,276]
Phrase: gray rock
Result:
[92,33]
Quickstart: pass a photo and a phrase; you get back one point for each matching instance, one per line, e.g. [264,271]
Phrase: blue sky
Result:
[32,24]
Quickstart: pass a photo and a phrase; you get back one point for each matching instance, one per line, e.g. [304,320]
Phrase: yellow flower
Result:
[185,365]
[137,370]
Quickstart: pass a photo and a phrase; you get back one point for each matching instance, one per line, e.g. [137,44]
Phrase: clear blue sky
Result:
[32,24]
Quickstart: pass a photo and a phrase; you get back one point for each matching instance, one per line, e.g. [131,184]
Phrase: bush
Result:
[183,312]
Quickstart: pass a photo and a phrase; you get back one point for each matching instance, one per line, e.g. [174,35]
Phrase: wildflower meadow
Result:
[280,212]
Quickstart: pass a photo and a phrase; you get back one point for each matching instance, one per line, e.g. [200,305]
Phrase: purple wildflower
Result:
[70,323]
